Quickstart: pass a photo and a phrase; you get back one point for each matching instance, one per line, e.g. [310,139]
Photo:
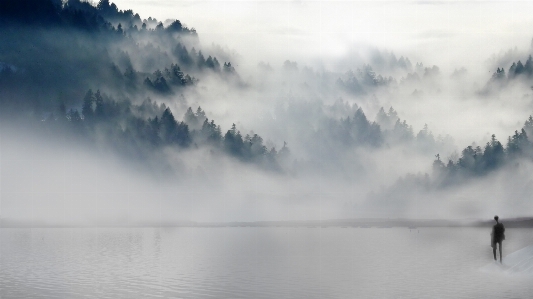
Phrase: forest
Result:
[91,73]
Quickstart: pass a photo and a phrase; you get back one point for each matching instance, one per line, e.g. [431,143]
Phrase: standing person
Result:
[497,236]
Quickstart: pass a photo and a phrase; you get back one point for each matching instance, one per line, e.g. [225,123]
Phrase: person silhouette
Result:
[497,236]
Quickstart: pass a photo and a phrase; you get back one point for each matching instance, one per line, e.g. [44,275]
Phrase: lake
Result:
[256,262]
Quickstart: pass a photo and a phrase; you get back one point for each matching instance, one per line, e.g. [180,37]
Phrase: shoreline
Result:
[521,222]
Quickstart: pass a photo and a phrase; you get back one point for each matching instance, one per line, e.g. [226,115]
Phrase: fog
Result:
[462,33]
[309,78]
[340,36]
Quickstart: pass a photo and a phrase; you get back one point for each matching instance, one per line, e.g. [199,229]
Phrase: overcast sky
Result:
[446,33]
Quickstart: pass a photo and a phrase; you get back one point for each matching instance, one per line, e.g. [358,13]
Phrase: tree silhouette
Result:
[88,106]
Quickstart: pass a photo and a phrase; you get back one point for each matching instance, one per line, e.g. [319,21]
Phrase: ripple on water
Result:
[256,263]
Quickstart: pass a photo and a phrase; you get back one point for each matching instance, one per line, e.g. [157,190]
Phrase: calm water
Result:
[256,263]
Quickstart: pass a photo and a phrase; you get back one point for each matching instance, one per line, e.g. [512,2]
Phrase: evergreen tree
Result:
[528,67]
[382,118]
[468,159]
[168,126]
[284,152]
[148,83]
[425,137]
[159,83]
[175,26]
[200,62]
[176,76]
[200,114]
[194,55]
[99,105]
[74,116]
[257,148]
[183,55]
[499,75]
[233,142]
[87,107]
[190,118]
[183,136]
[402,131]
[211,132]
[228,68]
[518,144]
[494,154]
[103,5]
[512,71]
[364,131]
[131,77]
[209,63]
[438,166]
[216,65]
[152,131]
[528,126]
[519,68]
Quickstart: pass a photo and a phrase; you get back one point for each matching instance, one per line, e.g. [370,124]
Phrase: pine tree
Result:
[87,107]
[200,62]
[190,118]
[99,105]
[209,63]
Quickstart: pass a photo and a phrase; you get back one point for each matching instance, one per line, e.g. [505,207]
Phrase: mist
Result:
[342,111]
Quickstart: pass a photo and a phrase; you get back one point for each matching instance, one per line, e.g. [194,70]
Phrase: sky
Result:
[446,33]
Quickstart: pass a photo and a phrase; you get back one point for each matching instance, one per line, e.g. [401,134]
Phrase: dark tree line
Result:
[124,21]
[329,131]
[478,161]
[161,82]
[193,60]
[388,61]
[358,130]
[363,80]
[51,50]
[396,131]
[249,147]
[125,127]
[474,162]
[516,70]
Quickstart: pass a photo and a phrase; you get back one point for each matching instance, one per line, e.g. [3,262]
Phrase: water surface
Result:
[253,262]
